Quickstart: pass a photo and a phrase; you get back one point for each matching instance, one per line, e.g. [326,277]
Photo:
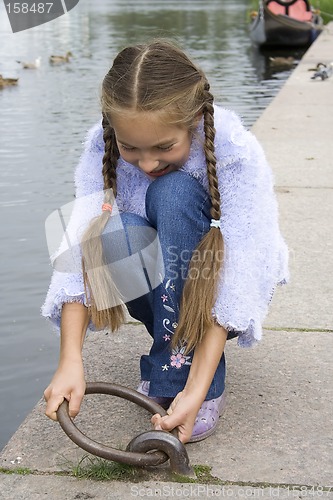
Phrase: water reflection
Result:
[43,121]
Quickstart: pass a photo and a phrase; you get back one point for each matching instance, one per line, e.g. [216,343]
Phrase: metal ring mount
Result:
[150,448]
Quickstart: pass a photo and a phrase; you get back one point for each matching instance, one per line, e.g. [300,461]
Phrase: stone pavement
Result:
[276,436]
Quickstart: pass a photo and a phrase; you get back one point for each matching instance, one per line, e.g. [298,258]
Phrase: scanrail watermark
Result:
[229,491]
[132,258]
[28,14]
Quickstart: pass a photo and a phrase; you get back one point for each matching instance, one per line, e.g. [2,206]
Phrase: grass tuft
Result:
[103,470]
[23,471]
[204,475]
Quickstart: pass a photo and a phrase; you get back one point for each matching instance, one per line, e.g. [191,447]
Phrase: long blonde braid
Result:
[199,293]
[98,278]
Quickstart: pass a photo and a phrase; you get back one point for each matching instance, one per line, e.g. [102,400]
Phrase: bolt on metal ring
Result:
[150,448]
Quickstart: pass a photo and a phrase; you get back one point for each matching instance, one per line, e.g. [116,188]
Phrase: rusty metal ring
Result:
[174,449]
[167,445]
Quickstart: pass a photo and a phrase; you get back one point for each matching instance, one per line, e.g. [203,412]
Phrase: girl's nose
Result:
[148,164]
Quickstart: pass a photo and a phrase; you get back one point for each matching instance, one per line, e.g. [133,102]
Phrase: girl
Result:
[184,232]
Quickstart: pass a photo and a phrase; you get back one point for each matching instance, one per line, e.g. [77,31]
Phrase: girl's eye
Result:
[165,148]
[126,148]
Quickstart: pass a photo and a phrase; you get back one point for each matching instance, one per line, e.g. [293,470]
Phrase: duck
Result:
[31,65]
[7,82]
[60,59]
[282,61]
[323,71]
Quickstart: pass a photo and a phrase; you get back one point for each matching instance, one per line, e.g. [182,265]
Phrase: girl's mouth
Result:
[163,171]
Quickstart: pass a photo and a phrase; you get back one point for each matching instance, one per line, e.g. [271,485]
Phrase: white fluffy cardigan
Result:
[256,256]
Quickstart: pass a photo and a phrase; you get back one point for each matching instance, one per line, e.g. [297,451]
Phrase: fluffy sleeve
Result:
[67,280]
[256,256]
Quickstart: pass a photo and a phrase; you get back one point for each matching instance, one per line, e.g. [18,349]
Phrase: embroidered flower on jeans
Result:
[166,337]
[178,358]
[164,298]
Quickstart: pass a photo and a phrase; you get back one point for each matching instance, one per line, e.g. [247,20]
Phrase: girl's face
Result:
[147,143]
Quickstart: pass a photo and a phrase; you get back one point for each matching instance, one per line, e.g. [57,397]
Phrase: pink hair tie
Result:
[107,207]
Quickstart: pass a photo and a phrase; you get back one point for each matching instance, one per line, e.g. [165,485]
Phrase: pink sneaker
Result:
[143,388]
[207,418]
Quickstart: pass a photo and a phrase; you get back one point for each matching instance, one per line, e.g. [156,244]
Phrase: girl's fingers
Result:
[52,406]
[155,419]
[159,422]
[184,437]
[75,404]
[47,394]
[166,423]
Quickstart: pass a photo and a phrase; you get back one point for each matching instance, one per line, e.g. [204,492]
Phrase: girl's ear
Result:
[197,119]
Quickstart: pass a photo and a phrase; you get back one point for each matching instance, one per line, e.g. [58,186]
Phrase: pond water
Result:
[43,121]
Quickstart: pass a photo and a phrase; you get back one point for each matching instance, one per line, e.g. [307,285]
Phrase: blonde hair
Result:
[158,77]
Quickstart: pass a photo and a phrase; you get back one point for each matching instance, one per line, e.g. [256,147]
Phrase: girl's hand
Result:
[68,383]
[184,408]
[181,414]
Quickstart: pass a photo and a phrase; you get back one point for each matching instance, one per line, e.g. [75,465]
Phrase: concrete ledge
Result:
[39,487]
[295,129]
[296,133]
[307,225]
[276,429]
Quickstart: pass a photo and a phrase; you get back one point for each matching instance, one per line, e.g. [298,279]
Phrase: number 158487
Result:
[25,8]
